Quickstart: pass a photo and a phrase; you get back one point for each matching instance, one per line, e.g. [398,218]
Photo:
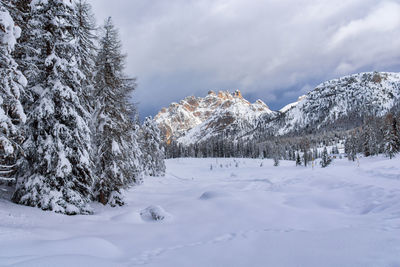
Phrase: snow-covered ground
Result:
[237,214]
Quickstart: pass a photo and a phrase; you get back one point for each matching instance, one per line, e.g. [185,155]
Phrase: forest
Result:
[70,134]
[370,137]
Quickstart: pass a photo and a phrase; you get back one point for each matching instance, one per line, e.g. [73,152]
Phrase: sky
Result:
[274,50]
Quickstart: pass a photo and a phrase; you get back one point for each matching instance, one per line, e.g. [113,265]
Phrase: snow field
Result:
[237,214]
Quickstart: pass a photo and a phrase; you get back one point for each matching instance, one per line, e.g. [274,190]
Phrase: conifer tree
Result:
[85,27]
[117,152]
[350,148]
[391,136]
[12,83]
[276,161]
[29,58]
[326,160]
[59,174]
[298,159]
[153,152]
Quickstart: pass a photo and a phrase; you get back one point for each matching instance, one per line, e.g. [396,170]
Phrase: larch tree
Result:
[117,150]
[85,32]
[59,172]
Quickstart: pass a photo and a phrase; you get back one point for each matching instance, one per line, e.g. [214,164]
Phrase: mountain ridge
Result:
[335,103]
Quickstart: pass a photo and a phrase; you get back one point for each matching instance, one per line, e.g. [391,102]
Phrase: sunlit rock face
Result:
[196,118]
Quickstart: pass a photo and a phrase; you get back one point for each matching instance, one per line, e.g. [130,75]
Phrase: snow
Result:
[6,145]
[291,105]
[9,33]
[233,214]
[64,166]
[197,119]
[115,148]
[154,213]
[338,98]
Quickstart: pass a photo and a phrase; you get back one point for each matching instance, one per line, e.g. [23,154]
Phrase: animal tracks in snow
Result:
[149,255]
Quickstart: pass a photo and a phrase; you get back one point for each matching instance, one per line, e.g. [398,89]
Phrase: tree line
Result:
[69,133]
[372,136]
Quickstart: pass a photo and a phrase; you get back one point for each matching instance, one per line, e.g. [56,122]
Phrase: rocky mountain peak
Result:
[218,111]
[336,104]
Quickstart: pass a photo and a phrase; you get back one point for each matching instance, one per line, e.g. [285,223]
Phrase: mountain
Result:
[195,118]
[338,104]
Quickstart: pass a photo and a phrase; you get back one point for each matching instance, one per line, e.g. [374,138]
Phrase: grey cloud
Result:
[269,49]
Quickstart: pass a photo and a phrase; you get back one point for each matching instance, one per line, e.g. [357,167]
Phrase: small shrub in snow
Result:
[298,159]
[276,161]
[153,213]
[213,194]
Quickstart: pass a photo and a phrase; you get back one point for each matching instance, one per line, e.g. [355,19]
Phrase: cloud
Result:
[384,18]
[268,49]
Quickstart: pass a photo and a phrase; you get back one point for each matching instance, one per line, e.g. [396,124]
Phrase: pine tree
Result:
[276,154]
[367,139]
[276,161]
[12,83]
[153,152]
[59,174]
[350,148]
[117,151]
[326,160]
[298,159]
[391,136]
[305,158]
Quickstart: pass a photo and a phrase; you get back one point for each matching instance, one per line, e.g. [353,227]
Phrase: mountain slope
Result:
[338,104]
[195,119]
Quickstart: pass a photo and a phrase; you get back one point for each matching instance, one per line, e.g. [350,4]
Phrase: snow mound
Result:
[128,217]
[67,260]
[154,213]
[212,194]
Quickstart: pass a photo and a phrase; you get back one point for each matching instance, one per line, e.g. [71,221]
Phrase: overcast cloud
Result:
[275,50]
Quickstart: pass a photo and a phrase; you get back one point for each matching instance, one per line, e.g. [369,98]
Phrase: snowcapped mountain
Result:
[195,118]
[336,104]
[291,105]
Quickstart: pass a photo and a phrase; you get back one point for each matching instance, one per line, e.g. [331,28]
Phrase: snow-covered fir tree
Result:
[326,160]
[391,142]
[153,151]
[59,173]
[12,83]
[29,59]
[350,148]
[117,151]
